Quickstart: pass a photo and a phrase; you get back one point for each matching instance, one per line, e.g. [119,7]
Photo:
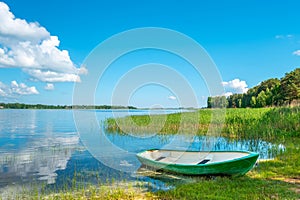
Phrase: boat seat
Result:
[203,161]
[160,158]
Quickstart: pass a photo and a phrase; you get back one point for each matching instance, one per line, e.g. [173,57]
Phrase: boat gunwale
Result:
[250,155]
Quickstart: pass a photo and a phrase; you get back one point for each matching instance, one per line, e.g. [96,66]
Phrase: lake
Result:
[43,147]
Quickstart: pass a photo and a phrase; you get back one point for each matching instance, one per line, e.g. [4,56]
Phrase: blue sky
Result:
[250,41]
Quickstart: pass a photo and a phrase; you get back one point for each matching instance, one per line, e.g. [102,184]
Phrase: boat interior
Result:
[191,158]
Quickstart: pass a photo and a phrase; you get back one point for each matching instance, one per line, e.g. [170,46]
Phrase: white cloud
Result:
[19,27]
[172,97]
[2,93]
[22,89]
[235,86]
[30,46]
[227,94]
[82,70]
[288,36]
[297,53]
[49,86]
[16,89]
[3,90]
[51,76]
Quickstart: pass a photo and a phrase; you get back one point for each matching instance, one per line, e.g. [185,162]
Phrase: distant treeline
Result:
[40,106]
[272,92]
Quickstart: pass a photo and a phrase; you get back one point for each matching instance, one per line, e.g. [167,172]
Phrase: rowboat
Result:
[233,163]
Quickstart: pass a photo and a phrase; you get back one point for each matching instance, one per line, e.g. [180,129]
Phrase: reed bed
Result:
[263,123]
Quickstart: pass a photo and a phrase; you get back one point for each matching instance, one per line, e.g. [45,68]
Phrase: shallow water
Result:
[43,147]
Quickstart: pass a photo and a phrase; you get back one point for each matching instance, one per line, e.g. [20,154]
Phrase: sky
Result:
[44,46]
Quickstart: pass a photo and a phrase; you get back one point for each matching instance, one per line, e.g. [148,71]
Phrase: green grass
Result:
[231,188]
[263,123]
[273,124]
[161,124]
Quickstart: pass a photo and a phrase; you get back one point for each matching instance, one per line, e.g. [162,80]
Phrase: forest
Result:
[272,92]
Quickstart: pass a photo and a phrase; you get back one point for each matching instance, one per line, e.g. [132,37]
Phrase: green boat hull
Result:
[235,167]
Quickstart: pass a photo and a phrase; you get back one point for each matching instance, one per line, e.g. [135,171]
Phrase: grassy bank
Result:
[232,188]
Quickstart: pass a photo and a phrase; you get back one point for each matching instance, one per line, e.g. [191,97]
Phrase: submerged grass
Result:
[90,192]
[100,191]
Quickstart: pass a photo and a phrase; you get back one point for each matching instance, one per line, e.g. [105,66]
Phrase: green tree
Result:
[261,100]
[253,102]
[209,102]
[290,86]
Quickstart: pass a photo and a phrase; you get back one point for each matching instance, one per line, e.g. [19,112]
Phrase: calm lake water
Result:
[43,147]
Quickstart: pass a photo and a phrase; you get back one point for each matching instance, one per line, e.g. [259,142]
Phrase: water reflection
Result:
[40,161]
[34,144]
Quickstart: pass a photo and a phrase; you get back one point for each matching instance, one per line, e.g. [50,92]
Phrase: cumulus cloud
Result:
[19,27]
[297,53]
[172,97]
[16,89]
[235,86]
[29,46]
[49,86]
